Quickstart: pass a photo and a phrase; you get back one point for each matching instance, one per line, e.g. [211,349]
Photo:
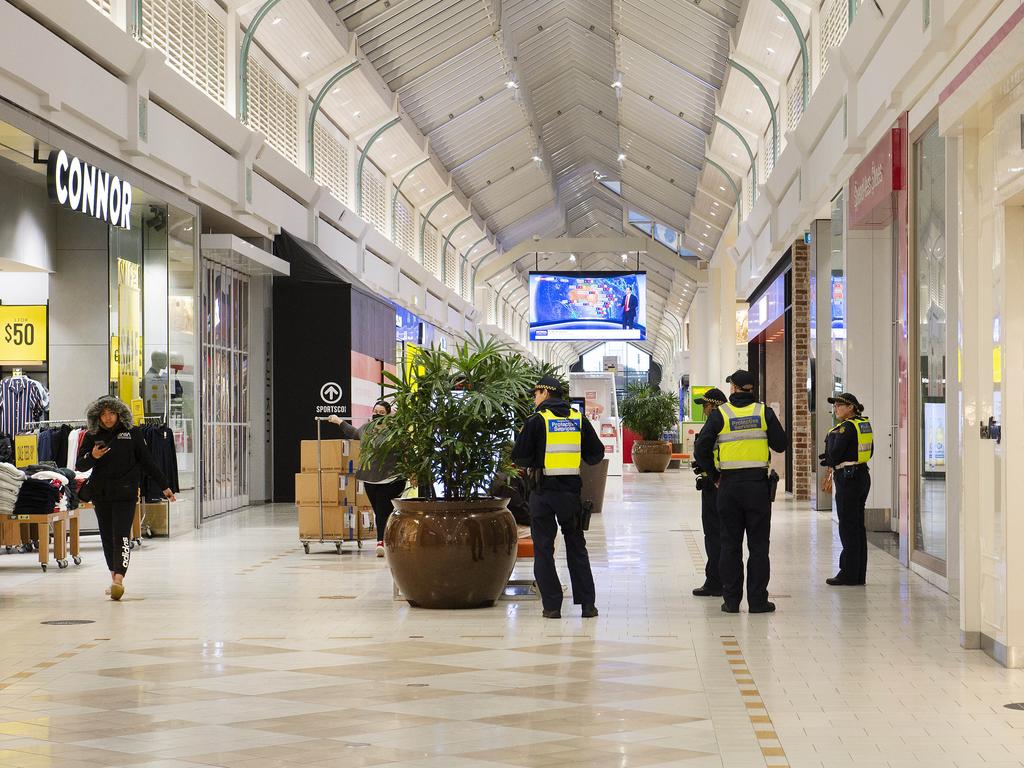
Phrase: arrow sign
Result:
[330,393]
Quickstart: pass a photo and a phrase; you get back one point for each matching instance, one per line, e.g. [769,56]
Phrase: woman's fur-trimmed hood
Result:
[108,403]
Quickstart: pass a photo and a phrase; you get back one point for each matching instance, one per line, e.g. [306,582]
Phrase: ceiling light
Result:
[357,113]
[722,189]
[780,17]
[511,84]
[771,51]
[622,157]
[277,20]
[393,156]
[444,215]
[572,257]
[305,54]
[537,159]
[749,111]
[617,84]
[335,90]
[715,203]
[734,154]
[422,190]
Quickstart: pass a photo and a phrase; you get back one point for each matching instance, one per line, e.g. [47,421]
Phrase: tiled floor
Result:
[233,648]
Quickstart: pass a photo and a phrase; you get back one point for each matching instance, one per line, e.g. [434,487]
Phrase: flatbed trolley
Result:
[338,542]
[65,527]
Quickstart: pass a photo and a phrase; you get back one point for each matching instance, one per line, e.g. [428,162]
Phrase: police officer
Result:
[848,448]
[742,431]
[552,443]
[712,586]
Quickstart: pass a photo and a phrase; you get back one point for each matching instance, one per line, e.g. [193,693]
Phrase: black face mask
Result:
[378,416]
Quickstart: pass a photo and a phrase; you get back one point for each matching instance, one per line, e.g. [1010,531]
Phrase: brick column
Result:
[803,451]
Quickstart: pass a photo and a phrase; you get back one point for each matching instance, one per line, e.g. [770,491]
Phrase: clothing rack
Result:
[57,423]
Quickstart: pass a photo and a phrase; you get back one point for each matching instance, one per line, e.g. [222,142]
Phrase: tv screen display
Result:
[600,306]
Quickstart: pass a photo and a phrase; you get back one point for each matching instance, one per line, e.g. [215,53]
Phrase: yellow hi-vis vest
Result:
[865,437]
[743,441]
[563,438]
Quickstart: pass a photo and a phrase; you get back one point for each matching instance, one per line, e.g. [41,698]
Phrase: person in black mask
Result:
[552,443]
[382,482]
[712,586]
[115,451]
[737,439]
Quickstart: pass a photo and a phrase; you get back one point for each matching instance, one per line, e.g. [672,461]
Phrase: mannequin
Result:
[154,385]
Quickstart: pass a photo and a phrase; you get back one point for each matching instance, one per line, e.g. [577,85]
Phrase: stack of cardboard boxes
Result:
[347,511]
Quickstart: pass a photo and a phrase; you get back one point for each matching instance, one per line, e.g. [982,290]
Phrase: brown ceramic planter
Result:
[451,554]
[651,455]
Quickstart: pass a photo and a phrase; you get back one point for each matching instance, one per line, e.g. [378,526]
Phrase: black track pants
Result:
[115,522]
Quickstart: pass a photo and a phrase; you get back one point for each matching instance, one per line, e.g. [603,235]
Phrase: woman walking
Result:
[848,448]
[382,482]
[115,451]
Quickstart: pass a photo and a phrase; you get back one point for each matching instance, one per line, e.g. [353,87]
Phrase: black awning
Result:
[309,263]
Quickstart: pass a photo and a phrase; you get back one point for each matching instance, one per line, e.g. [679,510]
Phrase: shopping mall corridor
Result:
[233,648]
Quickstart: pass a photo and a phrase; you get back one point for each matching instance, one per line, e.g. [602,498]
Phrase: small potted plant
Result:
[449,424]
[649,412]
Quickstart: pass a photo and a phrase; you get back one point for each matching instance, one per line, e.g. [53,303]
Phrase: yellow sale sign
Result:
[22,334]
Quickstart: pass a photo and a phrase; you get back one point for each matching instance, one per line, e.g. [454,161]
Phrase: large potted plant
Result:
[649,412]
[450,421]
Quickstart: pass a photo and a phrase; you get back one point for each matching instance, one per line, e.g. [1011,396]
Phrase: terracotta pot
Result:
[651,455]
[451,554]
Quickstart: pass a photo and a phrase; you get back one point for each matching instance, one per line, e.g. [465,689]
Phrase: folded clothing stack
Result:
[38,496]
[11,479]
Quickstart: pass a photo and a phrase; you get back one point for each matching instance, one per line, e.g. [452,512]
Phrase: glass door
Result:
[928,454]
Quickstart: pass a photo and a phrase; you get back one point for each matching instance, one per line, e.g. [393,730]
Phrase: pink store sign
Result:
[873,182]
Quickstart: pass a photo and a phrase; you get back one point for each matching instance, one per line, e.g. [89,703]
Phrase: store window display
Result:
[95,294]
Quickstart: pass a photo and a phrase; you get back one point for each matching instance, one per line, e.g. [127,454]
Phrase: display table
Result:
[65,526]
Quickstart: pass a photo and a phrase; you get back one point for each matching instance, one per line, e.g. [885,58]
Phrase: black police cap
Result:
[713,396]
[741,379]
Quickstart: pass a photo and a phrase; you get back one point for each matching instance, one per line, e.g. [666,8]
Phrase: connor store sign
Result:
[87,189]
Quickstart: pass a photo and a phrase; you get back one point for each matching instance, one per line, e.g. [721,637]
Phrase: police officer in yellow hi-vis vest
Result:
[741,432]
[553,442]
[848,448]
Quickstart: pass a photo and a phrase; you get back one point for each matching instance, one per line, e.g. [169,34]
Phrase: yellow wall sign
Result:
[138,410]
[22,334]
[26,450]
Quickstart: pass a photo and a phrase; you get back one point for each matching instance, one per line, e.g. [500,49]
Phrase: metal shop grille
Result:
[430,248]
[374,192]
[404,217]
[191,38]
[835,22]
[467,277]
[751,191]
[492,309]
[330,167]
[273,109]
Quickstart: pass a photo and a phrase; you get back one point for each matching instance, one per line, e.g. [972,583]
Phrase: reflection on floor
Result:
[233,648]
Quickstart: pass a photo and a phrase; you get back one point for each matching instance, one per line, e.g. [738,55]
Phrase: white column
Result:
[232,41]
[700,338]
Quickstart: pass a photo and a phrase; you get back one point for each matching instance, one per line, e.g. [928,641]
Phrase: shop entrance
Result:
[225,390]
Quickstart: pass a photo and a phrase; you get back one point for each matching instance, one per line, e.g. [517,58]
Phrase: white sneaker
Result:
[380,549]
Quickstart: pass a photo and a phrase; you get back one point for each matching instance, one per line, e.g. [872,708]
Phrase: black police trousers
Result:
[745,506]
[711,522]
[852,486]
[549,511]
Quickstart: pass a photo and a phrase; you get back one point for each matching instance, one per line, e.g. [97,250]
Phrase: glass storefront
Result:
[106,281]
[928,502]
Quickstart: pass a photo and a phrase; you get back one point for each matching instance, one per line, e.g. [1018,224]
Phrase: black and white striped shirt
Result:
[21,400]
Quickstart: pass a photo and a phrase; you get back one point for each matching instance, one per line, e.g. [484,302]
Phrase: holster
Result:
[583,513]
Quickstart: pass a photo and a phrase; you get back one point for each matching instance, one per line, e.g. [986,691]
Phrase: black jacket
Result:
[528,450]
[117,475]
[707,438]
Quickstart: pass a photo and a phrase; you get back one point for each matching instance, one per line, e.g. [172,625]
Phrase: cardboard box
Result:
[366,528]
[336,455]
[331,484]
[355,493]
[339,522]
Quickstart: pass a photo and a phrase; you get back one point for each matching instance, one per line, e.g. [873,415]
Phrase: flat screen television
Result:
[580,306]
